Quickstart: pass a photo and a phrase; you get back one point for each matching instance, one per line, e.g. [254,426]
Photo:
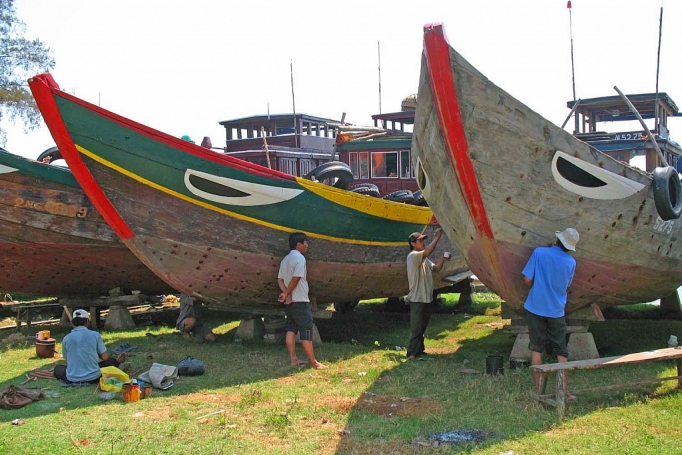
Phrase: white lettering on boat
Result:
[665,227]
[53,207]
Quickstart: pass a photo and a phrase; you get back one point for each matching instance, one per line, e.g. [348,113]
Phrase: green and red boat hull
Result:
[217,227]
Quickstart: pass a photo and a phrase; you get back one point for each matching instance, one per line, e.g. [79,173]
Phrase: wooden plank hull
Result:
[216,227]
[494,175]
[53,242]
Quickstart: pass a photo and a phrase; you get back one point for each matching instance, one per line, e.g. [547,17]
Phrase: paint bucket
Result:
[494,364]
[517,363]
[45,349]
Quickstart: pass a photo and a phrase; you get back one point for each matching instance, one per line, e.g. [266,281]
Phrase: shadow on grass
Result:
[497,410]
[400,403]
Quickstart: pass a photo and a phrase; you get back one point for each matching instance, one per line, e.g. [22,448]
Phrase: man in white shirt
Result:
[294,286]
[420,297]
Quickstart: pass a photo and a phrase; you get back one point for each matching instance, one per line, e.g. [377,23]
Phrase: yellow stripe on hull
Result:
[381,208]
[239,216]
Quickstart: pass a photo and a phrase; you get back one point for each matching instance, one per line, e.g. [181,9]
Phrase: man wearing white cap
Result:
[84,352]
[548,274]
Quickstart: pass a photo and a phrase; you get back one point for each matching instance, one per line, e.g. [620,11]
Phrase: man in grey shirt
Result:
[420,297]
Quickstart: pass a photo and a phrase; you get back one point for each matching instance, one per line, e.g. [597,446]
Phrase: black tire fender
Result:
[368,189]
[52,152]
[667,193]
[405,196]
[332,169]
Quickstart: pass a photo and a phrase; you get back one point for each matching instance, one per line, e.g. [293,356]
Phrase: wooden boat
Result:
[501,180]
[53,242]
[216,227]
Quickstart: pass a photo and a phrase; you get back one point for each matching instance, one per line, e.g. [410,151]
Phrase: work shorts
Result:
[300,320]
[547,334]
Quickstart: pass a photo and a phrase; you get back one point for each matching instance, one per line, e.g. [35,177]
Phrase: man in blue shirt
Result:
[84,352]
[548,274]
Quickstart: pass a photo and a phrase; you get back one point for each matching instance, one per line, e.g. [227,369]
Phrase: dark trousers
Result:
[60,370]
[420,315]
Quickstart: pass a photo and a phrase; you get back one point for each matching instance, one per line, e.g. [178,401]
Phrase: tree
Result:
[20,59]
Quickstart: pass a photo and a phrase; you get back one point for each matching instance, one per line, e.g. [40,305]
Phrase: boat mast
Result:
[570,20]
[658,65]
[293,102]
[379,52]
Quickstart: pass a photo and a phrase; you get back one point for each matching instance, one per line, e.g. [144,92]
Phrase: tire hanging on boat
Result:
[330,170]
[52,152]
[667,193]
[405,196]
[368,189]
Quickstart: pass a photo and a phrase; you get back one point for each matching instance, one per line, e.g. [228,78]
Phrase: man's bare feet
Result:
[210,337]
[122,357]
[319,366]
[297,362]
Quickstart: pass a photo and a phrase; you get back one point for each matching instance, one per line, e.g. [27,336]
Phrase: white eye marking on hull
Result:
[229,191]
[588,180]
[6,169]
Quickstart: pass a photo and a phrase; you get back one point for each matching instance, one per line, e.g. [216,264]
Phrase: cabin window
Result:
[288,165]
[307,166]
[385,164]
[353,164]
[364,165]
[405,165]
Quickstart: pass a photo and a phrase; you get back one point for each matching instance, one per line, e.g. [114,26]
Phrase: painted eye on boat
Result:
[224,190]
[586,179]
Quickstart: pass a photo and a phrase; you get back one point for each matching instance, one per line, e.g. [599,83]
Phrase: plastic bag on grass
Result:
[112,379]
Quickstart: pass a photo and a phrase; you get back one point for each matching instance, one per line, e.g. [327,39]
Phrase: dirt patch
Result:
[394,406]
[212,398]
[340,405]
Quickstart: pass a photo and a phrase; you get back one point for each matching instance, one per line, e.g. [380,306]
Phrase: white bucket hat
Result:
[568,237]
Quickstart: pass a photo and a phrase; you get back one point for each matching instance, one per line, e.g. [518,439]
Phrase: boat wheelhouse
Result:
[383,156]
[291,143]
[591,114]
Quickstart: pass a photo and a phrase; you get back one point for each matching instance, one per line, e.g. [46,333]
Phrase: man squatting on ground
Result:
[420,280]
[294,286]
[190,320]
[548,274]
[84,352]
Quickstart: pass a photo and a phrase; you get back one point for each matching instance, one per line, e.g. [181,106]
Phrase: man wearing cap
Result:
[548,274]
[84,352]
[420,280]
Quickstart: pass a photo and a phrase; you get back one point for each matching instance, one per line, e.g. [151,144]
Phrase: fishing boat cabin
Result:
[292,143]
[625,145]
[381,155]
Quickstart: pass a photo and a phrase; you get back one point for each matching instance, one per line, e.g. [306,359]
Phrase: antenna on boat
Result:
[379,53]
[658,65]
[570,19]
[293,102]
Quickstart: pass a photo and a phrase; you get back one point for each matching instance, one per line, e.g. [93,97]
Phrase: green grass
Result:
[370,400]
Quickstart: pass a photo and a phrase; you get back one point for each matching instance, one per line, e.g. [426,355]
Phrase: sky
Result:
[181,67]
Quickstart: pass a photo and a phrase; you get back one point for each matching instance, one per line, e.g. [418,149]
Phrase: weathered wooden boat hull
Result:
[217,227]
[53,242]
[501,180]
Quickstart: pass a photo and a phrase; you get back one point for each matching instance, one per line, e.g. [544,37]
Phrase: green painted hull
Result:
[217,227]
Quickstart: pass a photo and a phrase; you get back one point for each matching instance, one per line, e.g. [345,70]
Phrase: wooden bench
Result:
[559,399]
[25,313]
[95,305]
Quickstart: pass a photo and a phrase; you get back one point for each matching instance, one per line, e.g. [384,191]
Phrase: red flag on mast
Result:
[568,5]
